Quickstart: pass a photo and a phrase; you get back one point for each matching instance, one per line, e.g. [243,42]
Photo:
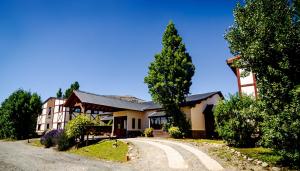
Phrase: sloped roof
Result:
[118,103]
[103,100]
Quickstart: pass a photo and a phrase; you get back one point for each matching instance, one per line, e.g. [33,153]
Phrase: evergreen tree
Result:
[74,86]
[170,76]
[59,93]
[266,35]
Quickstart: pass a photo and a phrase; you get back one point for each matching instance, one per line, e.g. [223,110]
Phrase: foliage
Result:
[170,76]
[76,126]
[266,35]
[238,120]
[148,132]
[104,150]
[18,114]
[175,132]
[59,93]
[64,142]
[69,91]
[166,126]
[51,137]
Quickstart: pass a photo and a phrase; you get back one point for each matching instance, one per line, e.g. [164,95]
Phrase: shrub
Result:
[64,142]
[51,137]
[48,142]
[76,126]
[175,132]
[238,120]
[148,132]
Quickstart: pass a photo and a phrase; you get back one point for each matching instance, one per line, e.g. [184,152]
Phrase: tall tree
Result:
[18,114]
[74,86]
[266,35]
[59,93]
[170,76]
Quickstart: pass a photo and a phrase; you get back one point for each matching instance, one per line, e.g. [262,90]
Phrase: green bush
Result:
[175,132]
[64,142]
[76,126]
[48,142]
[148,132]
[238,120]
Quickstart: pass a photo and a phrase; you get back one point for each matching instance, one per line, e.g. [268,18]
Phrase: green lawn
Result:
[263,154]
[36,142]
[104,150]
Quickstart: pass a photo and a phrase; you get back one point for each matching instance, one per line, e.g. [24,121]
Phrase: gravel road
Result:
[20,156]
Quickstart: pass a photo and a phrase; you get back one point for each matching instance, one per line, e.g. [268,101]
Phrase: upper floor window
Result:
[49,110]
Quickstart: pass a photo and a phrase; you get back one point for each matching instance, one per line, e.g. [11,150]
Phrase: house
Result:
[246,85]
[132,115]
[54,115]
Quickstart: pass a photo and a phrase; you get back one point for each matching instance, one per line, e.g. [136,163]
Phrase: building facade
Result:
[133,117]
[246,85]
[54,115]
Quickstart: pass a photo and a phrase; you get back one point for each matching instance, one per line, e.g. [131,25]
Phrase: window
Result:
[39,126]
[58,125]
[139,123]
[49,110]
[48,126]
[60,108]
[133,123]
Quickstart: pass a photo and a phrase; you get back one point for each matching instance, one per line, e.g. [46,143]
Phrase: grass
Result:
[36,142]
[202,141]
[104,150]
[264,154]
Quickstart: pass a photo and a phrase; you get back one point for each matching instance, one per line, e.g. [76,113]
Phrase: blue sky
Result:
[107,46]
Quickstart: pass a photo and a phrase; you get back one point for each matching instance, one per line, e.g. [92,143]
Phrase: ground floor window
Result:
[158,122]
[39,126]
[133,123]
[139,123]
[58,125]
[48,126]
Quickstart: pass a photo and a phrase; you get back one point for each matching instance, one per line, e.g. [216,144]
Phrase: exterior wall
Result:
[247,85]
[130,115]
[54,117]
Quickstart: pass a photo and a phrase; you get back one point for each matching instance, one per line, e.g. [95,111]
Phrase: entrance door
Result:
[120,125]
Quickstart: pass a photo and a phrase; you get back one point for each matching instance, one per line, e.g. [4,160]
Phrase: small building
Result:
[132,115]
[246,85]
[54,115]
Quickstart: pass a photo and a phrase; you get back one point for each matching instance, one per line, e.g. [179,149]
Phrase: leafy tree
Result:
[76,127]
[18,114]
[238,120]
[266,35]
[59,93]
[170,76]
[74,86]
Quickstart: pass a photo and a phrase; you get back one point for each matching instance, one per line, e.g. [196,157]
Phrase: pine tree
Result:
[59,93]
[69,91]
[170,76]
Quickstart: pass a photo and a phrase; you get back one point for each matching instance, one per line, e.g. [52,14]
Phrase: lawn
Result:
[263,154]
[104,150]
[36,142]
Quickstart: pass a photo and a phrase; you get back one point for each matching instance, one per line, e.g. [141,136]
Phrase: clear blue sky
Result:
[107,46]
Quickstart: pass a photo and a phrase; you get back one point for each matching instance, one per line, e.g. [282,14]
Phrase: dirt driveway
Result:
[20,156]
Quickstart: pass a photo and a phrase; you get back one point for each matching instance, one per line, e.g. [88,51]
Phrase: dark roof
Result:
[117,103]
[91,98]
